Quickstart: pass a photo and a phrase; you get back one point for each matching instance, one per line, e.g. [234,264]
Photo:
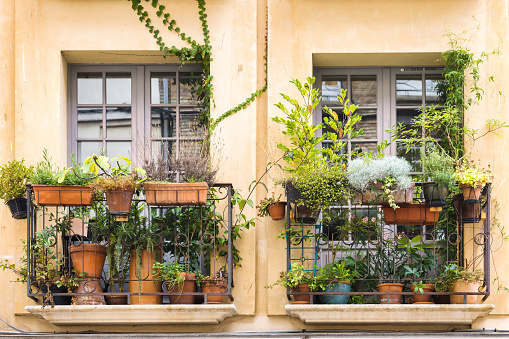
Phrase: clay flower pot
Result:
[277,210]
[410,214]
[419,298]
[119,200]
[88,259]
[187,286]
[471,193]
[214,286]
[465,286]
[301,299]
[176,194]
[65,195]
[390,287]
[148,282]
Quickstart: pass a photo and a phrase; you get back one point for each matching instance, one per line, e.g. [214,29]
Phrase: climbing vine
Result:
[201,54]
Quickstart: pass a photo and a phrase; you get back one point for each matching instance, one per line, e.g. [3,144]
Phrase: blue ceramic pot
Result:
[335,298]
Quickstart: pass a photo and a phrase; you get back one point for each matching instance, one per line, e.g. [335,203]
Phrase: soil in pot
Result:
[188,286]
[303,298]
[418,298]
[148,284]
[343,286]
[18,208]
[277,210]
[390,287]
[465,286]
[88,259]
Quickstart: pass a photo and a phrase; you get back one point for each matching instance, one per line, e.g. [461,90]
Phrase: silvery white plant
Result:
[362,173]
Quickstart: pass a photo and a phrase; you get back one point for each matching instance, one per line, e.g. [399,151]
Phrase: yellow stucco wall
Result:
[40,38]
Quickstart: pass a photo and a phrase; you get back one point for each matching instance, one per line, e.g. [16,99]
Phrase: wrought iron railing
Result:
[196,237]
[376,251]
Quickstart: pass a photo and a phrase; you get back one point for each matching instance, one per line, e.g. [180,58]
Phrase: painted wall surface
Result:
[40,39]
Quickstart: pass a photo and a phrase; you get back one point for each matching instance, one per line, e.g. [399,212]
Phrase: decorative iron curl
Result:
[479,236]
[211,238]
[458,240]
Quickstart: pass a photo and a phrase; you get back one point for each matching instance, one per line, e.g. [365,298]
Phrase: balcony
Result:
[367,244]
[135,268]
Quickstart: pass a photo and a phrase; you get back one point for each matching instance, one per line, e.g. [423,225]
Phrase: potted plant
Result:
[51,186]
[419,286]
[471,179]
[13,179]
[176,280]
[438,170]
[297,279]
[382,180]
[272,206]
[180,181]
[331,278]
[216,284]
[459,279]
[115,179]
[410,214]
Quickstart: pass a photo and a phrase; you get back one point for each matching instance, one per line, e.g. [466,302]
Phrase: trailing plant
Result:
[169,273]
[13,178]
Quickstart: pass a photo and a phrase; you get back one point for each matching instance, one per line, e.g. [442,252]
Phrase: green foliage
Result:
[332,271]
[13,179]
[295,276]
[263,207]
[451,271]
[169,273]
[472,175]
[439,167]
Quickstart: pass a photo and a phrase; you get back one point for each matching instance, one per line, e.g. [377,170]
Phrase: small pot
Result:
[434,195]
[119,200]
[214,286]
[277,210]
[422,297]
[189,285]
[304,298]
[18,208]
[468,212]
[471,193]
[390,287]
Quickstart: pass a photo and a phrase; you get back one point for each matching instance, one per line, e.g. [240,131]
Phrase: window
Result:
[385,96]
[122,109]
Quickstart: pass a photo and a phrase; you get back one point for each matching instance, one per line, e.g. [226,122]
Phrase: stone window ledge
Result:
[389,314]
[134,314]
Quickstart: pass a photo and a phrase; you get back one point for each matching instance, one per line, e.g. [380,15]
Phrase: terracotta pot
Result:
[277,210]
[175,194]
[410,214]
[434,195]
[119,200]
[88,259]
[116,299]
[471,193]
[214,286]
[465,286]
[148,284]
[88,289]
[390,287]
[302,299]
[187,286]
[66,195]
[421,297]
[18,208]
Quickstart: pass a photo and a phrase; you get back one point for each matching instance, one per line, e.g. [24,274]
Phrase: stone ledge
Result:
[134,314]
[389,314]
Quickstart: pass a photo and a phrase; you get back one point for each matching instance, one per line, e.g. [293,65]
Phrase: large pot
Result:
[187,286]
[88,259]
[465,286]
[390,287]
[176,194]
[146,282]
[65,195]
[341,287]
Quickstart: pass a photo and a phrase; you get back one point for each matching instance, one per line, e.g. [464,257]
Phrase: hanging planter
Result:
[18,208]
[277,210]
[471,193]
[176,194]
[119,200]
[467,212]
[374,195]
[65,195]
[305,215]
[410,214]
[435,195]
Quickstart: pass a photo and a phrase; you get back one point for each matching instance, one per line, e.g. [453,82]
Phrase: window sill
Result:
[389,314]
[134,314]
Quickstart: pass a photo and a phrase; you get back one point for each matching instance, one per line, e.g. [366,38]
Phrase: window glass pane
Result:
[167,149]
[326,128]
[118,88]
[90,122]
[331,88]
[90,88]
[163,88]
[87,148]
[118,122]
[364,147]
[368,123]
[190,148]
[189,125]
[412,154]
[113,148]
[189,85]
[164,122]
[431,89]
[364,90]
[405,116]
[408,90]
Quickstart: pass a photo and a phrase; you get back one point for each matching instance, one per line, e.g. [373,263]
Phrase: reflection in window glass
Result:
[331,89]
[404,116]
[113,148]
[189,85]
[412,154]
[189,125]
[164,122]
[87,148]
[90,121]
[118,122]
[90,88]
[364,90]
[118,88]
[163,88]
[431,90]
[408,90]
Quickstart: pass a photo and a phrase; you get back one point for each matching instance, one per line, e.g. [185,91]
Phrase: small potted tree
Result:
[13,178]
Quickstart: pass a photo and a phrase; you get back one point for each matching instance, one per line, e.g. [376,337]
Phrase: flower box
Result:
[66,195]
[175,194]
[410,214]
[374,196]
